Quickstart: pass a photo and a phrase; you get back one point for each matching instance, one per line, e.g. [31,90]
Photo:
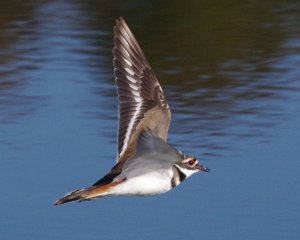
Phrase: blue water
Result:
[231,76]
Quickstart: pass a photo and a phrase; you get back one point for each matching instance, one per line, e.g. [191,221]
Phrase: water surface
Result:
[230,72]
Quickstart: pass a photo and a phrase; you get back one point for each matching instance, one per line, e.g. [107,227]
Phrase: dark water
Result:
[230,70]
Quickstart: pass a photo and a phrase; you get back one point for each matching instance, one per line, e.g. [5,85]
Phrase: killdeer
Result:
[146,164]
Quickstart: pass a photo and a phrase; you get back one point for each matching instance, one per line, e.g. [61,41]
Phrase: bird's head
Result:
[185,168]
[190,165]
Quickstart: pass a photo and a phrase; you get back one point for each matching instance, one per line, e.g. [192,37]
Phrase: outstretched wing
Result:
[142,104]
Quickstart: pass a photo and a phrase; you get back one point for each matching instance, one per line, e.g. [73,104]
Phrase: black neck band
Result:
[182,176]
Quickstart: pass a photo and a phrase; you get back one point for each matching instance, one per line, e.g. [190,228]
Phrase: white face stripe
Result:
[187,172]
[190,159]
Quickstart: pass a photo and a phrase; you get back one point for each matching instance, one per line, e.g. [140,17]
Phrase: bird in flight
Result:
[146,164]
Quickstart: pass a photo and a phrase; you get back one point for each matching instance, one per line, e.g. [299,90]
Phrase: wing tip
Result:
[120,21]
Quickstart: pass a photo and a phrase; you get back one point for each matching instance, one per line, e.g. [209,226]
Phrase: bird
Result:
[145,164]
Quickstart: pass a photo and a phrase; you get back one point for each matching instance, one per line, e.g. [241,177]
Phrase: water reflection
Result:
[220,69]
[17,48]
[229,70]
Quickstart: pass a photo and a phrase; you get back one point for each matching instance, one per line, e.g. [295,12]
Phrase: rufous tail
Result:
[88,193]
[78,195]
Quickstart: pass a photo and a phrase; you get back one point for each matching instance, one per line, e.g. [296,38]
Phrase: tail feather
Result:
[77,195]
[88,193]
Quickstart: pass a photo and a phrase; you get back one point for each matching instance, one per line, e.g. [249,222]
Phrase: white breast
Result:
[146,174]
[147,184]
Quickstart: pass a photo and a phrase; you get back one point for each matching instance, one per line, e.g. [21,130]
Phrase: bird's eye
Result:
[191,162]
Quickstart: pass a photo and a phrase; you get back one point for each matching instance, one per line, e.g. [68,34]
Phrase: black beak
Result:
[203,168]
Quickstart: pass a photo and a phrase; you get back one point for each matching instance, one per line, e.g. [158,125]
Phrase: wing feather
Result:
[142,104]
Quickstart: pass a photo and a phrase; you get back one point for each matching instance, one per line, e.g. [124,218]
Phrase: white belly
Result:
[147,184]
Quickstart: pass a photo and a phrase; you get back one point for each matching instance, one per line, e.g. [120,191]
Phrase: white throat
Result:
[187,172]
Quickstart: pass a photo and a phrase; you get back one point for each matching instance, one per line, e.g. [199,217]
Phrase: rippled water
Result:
[230,71]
